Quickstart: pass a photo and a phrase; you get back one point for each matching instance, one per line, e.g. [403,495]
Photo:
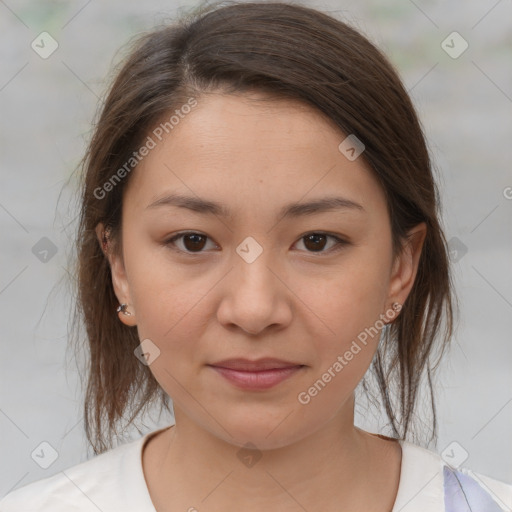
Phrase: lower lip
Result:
[264,379]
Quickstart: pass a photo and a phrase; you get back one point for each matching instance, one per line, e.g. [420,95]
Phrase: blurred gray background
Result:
[464,98]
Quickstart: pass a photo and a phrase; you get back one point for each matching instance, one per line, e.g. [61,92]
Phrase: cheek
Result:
[168,310]
[350,297]
[162,292]
[347,306]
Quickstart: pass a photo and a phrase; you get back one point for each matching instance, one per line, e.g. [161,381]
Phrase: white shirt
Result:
[114,482]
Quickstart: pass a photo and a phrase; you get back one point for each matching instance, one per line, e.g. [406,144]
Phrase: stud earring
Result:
[396,306]
[122,309]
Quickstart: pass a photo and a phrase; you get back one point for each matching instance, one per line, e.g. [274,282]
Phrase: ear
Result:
[119,278]
[405,266]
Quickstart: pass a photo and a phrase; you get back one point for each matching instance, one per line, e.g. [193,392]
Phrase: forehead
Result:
[248,151]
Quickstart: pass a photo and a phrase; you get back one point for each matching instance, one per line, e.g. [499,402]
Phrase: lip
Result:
[256,375]
[265,363]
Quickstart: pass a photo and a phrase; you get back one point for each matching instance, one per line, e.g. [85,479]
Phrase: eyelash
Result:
[340,243]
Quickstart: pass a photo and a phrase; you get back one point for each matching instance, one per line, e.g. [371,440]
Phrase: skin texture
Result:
[293,302]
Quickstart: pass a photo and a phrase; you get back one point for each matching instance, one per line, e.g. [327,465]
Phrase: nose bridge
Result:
[253,262]
[254,297]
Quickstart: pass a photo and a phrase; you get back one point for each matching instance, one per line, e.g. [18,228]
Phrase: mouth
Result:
[261,374]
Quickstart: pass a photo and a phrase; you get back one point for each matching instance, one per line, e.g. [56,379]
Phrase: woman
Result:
[259,227]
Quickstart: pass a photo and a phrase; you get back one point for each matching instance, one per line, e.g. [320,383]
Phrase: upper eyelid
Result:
[184,233]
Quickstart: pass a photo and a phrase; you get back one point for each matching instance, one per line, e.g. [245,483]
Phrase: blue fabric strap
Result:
[464,494]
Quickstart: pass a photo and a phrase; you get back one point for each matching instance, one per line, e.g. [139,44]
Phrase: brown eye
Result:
[316,242]
[191,242]
[194,242]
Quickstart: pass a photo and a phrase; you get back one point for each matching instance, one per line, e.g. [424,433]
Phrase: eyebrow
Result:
[290,210]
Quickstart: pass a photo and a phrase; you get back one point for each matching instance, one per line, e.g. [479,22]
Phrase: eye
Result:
[193,242]
[316,242]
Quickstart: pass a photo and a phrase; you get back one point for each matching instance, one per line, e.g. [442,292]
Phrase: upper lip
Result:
[266,363]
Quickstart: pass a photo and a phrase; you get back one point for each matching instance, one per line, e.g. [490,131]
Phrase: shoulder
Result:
[429,484]
[110,481]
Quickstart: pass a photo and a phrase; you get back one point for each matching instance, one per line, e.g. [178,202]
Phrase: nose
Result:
[255,297]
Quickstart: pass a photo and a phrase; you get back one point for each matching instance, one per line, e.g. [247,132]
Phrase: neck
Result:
[331,469]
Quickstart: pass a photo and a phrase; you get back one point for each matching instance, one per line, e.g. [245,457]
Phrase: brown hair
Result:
[288,51]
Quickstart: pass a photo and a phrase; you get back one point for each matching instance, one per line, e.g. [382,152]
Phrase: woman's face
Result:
[252,283]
